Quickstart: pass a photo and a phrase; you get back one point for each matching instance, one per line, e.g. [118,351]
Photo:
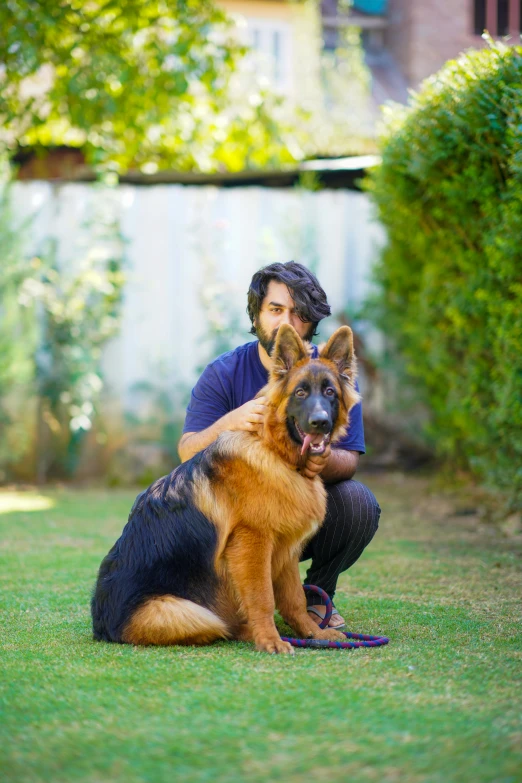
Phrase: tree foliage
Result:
[449,192]
[136,84]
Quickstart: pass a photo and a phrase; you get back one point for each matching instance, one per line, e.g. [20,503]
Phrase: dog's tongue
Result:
[306,443]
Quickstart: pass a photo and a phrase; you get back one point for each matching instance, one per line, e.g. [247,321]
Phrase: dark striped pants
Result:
[351,521]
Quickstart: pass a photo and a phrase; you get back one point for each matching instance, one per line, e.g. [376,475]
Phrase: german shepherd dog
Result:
[211,549]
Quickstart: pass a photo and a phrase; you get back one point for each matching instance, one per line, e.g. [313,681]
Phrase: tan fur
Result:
[169,620]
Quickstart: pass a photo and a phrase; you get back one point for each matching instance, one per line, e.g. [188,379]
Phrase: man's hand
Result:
[249,417]
[316,463]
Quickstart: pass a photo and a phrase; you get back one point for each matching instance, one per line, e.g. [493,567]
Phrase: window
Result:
[480,17]
[498,17]
[271,41]
[503,17]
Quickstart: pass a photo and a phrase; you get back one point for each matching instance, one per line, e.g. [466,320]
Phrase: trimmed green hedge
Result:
[449,192]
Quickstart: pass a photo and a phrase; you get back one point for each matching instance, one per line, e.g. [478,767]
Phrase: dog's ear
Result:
[288,350]
[339,350]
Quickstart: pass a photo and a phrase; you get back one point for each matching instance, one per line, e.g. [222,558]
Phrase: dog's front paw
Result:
[274,646]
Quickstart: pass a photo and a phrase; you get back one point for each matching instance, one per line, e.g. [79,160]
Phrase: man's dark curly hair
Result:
[310,300]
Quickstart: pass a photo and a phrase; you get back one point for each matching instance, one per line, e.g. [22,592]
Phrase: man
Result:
[223,400]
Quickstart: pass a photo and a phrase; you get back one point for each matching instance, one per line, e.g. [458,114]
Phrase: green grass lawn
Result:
[442,702]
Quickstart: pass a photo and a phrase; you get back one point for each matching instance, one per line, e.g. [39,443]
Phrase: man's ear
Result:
[288,350]
[339,350]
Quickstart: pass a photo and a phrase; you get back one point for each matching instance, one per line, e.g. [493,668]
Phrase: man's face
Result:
[279,308]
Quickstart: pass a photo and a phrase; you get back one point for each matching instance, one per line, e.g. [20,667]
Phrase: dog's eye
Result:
[300,393]
[329,391]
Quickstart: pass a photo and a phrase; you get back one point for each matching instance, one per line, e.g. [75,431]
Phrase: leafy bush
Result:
[449,192]
[77,314]
[17,335]
[54,320]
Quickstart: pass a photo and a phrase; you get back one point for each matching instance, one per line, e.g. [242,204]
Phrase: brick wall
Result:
[423,34]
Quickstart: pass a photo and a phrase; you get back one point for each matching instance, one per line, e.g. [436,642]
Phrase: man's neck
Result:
[265,358]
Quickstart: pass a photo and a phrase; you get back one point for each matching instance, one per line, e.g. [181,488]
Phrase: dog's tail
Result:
[169,620]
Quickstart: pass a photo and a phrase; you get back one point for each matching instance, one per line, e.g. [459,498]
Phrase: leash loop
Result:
[364,640]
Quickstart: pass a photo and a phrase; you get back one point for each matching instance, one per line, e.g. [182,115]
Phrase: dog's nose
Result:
[319,420]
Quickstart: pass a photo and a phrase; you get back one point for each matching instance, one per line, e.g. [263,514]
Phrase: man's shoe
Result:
[336,621]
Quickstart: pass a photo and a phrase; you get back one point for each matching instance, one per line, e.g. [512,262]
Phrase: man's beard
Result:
[268,340]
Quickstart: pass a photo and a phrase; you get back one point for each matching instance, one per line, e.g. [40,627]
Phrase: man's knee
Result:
[354,506]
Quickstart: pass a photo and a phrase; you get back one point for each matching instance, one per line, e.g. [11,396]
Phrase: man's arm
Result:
[334,465]
[248,417]
[192,442]
[341,466]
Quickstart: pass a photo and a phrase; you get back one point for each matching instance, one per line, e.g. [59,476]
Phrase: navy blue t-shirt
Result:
[236,377]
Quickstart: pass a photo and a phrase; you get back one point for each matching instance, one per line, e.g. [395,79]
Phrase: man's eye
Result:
[300,393]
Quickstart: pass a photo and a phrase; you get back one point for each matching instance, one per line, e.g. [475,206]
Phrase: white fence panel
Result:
[185,243]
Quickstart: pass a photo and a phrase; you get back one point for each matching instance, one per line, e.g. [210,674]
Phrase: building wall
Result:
[287,38]
[424,34]
[440,31]
[398,34]
[269,9]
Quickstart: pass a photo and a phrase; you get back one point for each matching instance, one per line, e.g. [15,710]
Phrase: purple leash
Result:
[365,640]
